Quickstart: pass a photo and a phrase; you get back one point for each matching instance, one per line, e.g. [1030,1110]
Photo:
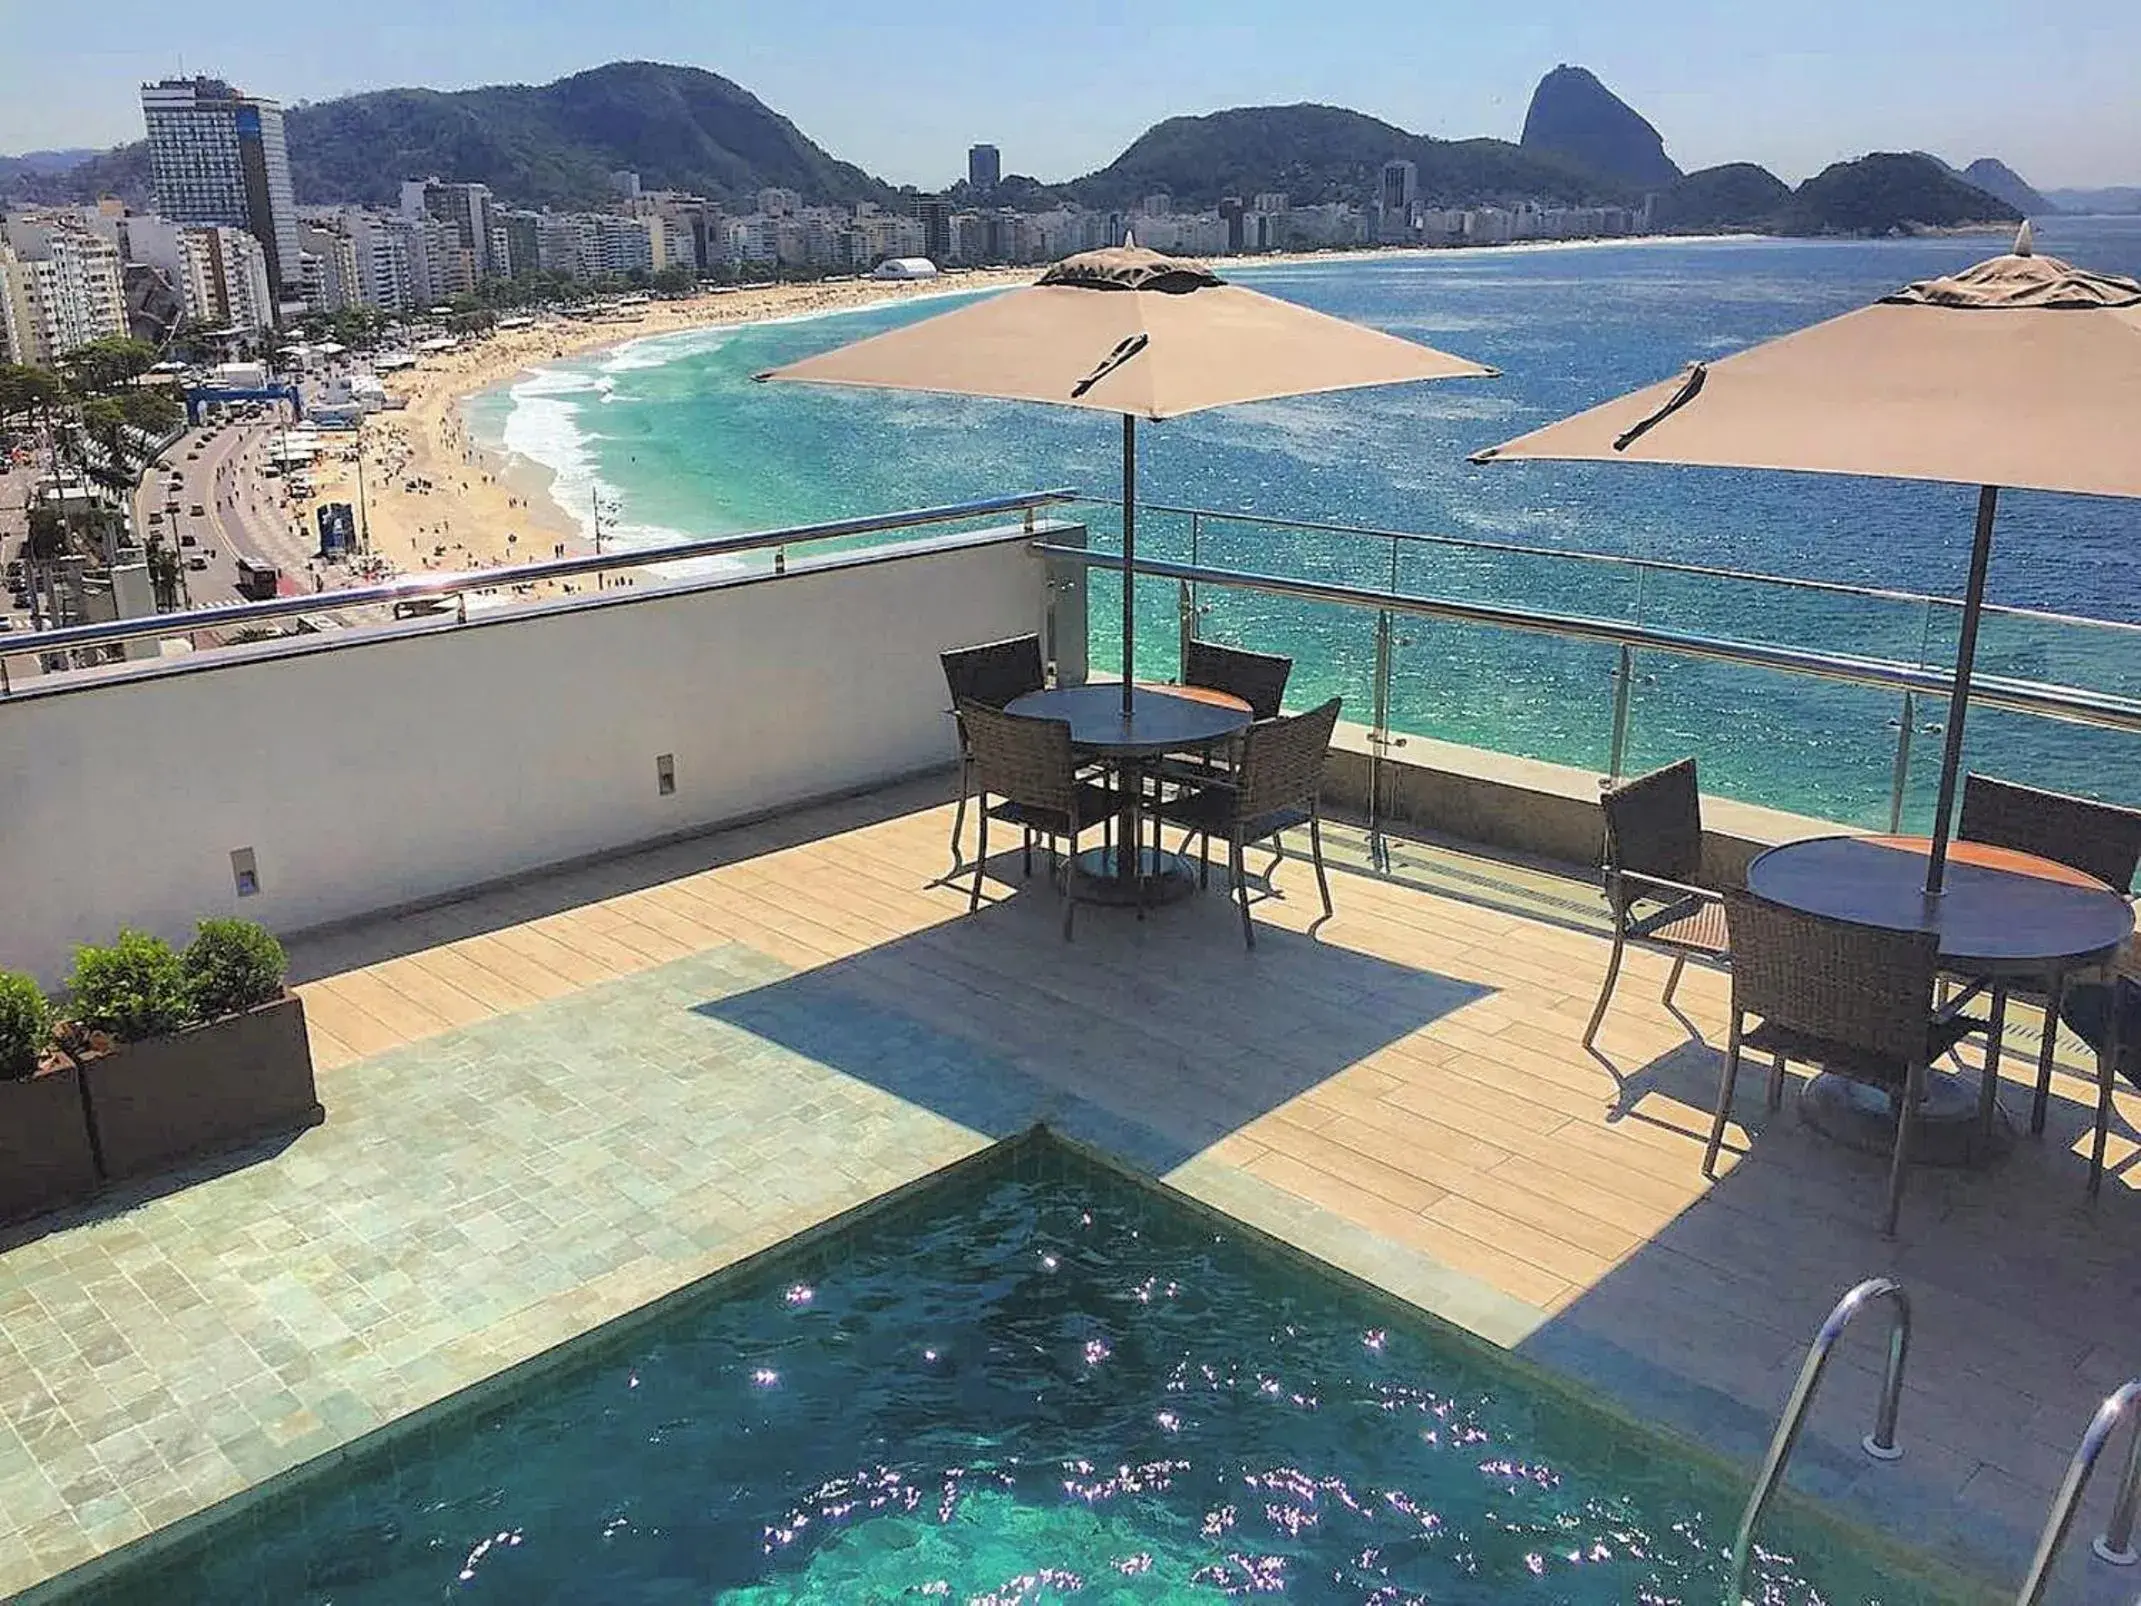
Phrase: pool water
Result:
[1036,1382]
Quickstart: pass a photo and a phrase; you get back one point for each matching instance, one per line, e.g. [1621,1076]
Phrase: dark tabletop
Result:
[2001,911]
[1162,719]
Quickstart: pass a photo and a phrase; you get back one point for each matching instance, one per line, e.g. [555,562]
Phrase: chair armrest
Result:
[1651,886]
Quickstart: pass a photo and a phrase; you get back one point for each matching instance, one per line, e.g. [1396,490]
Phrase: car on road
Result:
[196,563]
[188,540]
[199,511]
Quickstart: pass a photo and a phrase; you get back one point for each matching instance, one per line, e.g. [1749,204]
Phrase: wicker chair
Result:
[1653,877]
[991,675]
[1257,678]
[1029,764]
[2098,839]
[1856,1000]
[1278,786]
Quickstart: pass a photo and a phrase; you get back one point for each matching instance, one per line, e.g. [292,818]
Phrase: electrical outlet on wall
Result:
[665,774]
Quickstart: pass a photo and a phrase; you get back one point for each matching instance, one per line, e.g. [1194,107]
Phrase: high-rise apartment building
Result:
[218,158]
[332,279]
[60,288]
[1400,186]
[470,219]
[224,279]
[984,167]
[934,213]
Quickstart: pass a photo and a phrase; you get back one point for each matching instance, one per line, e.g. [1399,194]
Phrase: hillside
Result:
[1738,195]
[122,171]
[2119,199]
[550,144]
[556,144]
[1575,117]
[1997,179]
[1887,193]
[1326,153]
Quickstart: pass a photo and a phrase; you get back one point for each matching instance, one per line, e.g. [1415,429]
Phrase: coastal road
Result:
[242,513]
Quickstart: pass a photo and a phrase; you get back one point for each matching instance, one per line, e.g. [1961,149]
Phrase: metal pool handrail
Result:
[419,587]
[2117,1542]
[1468,543]
[1880,1443]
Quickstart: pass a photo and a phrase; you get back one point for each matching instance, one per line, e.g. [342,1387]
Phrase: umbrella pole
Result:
[1951,760]
[1129,558]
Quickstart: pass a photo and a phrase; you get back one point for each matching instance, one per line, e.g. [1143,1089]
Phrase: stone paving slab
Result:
[472,1199]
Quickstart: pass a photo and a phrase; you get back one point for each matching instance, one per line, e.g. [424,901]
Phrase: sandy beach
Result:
[436,499]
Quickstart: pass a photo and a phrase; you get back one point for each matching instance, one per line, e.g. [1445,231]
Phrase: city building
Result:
[934,215]
[465,257]
[217,158]
[1400,186]
[61,287]
[330,261]
[223,279]
[984,167]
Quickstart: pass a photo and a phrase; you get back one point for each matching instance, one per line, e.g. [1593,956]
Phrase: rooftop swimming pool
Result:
[1032,1381]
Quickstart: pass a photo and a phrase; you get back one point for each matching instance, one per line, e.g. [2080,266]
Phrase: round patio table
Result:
[2003,916]
[1163,719]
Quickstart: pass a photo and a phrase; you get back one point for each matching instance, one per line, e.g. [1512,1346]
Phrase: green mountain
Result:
[549,144]
[556,144]
[1574,116]
[1888,193]
[1997,179]
[1738,195]
[1326,153]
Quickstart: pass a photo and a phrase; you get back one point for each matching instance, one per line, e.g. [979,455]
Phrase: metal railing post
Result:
[1186,599]
[1900,781]
[1378,741]
[1623,677]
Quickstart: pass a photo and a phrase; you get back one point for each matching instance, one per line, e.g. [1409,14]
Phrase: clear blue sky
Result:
[1061,87]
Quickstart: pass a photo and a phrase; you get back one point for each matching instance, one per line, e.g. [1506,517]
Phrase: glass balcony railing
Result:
[1823,699]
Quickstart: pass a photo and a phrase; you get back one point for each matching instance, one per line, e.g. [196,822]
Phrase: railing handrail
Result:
[2116,1544]
[2077,705]
[1880,1443]
[1615,559]
[418,587]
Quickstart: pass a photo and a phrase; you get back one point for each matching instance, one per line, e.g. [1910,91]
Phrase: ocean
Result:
[674,439]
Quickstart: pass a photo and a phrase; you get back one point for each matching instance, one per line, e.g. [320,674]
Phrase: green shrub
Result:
[25,1026]
[133,989]
[232,965]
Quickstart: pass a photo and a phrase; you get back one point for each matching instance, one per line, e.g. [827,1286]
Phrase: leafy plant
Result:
[133,989]
[25,1026]
[232,965]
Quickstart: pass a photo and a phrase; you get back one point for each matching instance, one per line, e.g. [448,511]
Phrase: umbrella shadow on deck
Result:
[1153,1039]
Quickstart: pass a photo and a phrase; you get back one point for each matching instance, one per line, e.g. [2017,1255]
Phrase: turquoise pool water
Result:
[1036,1383]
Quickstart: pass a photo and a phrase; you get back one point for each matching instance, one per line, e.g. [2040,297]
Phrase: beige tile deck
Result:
[736,1035]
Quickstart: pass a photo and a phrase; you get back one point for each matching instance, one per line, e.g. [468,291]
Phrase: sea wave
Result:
[546,424]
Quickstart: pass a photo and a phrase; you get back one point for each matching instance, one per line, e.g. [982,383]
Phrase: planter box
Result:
[155,1103]
[45,1158]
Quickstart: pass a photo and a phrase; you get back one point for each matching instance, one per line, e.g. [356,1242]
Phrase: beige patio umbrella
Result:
[2021,371]
[1130,331]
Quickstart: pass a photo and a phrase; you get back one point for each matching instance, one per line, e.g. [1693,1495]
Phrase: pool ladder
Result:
[2115,1545]
[2117,1542]
[1880,1443]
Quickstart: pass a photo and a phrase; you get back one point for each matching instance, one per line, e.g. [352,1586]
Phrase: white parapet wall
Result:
[372,770]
